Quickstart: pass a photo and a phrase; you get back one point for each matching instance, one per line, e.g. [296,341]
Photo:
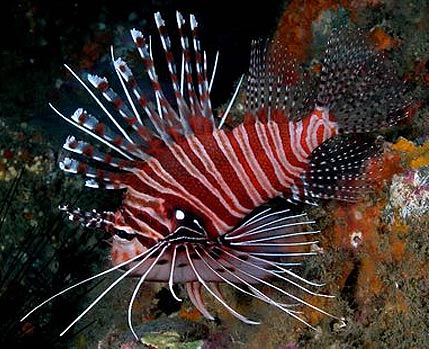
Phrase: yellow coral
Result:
[414,156]
[421,160]
[404,145]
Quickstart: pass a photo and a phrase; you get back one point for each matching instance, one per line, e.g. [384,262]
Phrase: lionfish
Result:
[195,207]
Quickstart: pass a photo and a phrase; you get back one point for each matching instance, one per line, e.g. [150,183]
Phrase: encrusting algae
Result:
[294,30]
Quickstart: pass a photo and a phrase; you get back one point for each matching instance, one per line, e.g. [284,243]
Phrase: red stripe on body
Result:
[243,153]
[134,217]
[196,187]
[306,130]
[200,162]
[285,172]
[287,146]
[261,150]
[228,173]
[155,180]
[251,167]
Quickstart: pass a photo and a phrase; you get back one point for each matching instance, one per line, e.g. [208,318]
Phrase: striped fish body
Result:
[196,203]
[219,176]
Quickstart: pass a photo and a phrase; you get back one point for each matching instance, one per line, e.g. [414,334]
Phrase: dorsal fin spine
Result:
[167,111]
[126,73]
[184,112]
[115,122]
[118,103]
[201,77]
[193,102]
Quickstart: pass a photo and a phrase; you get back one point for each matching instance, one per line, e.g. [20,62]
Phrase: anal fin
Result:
[345,168]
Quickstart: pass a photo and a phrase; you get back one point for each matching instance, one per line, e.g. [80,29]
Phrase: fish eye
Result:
[180,215]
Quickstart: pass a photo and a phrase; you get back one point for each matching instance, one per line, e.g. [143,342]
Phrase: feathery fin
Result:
[359,86]
[275,82]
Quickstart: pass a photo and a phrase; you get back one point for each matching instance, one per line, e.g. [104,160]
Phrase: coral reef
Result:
[378,268]
[295,26]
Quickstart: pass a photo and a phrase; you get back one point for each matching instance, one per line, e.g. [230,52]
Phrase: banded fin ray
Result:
[86,149]
[139,131]
[194,113]
[165,110]
[99,131]
[98,166]
[95,175]
[182,106]
[136,142]
[125,73]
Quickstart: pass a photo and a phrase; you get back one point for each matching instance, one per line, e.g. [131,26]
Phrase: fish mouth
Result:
[187,235]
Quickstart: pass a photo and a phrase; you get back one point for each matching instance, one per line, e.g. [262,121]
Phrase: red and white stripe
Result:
[265,159]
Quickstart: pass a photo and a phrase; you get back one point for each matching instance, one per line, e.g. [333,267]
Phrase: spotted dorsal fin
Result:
[276,82]
[359,86]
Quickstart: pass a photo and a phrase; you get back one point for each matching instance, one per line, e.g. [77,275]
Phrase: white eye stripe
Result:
[198,224]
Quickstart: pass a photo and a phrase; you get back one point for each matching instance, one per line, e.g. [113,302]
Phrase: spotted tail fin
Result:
[359,86]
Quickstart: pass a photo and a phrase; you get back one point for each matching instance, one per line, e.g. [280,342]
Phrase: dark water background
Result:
[40,36]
